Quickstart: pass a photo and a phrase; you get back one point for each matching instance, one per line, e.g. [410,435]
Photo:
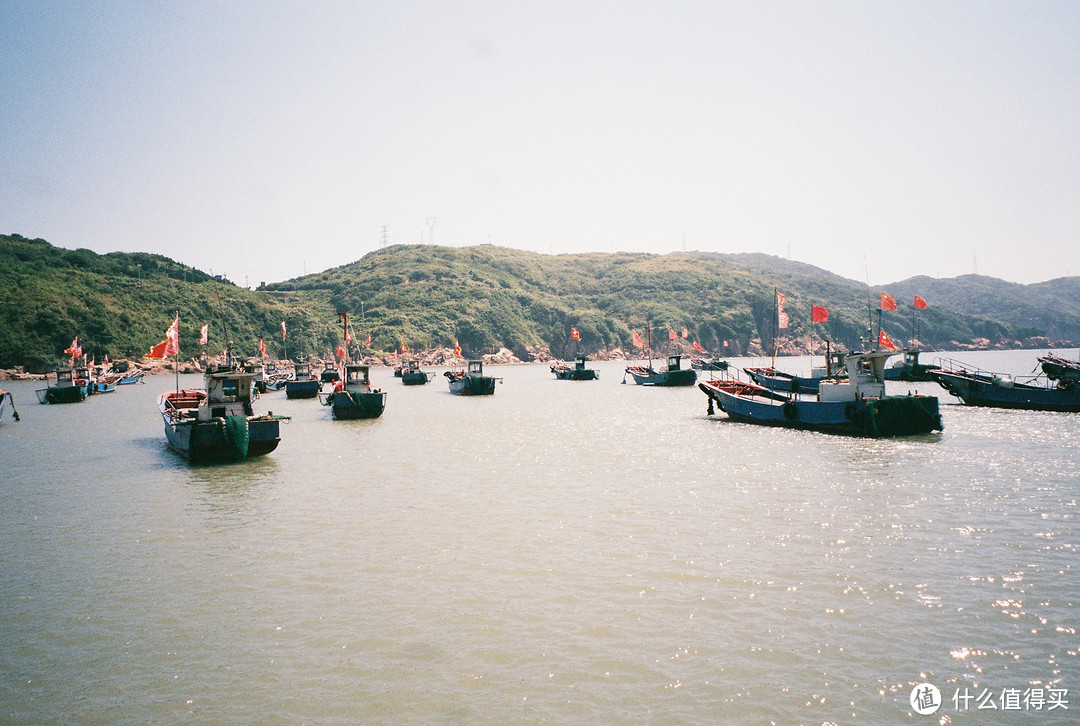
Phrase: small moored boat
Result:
[708,364]
[411,375]
[909,368]
[856,406]
[303,384]
[977,387]
[72,386]
[218,424]
[353,397]
[579,372]
[472,381]
[671,375]
[6,402]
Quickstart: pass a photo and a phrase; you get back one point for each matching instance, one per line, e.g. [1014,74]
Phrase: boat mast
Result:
[648,333]
[775,324]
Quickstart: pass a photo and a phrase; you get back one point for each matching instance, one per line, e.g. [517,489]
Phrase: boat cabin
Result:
[866,378]
[357,375]
[410,366]
[228,393]
[674,362]
[301,370]
[476,368]
[579,363]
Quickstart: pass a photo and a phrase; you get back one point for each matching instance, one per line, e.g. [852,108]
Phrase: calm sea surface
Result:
[562,552]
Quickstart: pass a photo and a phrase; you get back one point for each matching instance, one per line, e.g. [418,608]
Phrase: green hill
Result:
[489,297]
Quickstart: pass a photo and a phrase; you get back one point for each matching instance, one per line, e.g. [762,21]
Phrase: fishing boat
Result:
[672,375]
[579,372]
[778,380]
[909,368]
[411,375]
[976,387]
[72,386]
[708,364]
[257,369]
[856,405]
[217,424]
[353,397]
[471,381]
[129,377]
[302,384]
[1057,368]
[6,402]
[329,374]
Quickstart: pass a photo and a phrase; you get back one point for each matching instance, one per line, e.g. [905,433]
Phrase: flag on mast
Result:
[920,303]
[574,334]
[887,302]
[204,334]
[818,314]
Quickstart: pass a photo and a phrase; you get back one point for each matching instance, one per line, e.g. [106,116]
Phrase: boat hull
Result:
[350,406]
[872,417]
[415,379]
[782,381]
[576,374]
[472,385]
[223,440]
[307,388]
[61,394]
[648,377]
[977,391]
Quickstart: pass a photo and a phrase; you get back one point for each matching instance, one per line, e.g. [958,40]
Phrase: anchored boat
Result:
[72,386]
[353,397]
[472,381]
[303,384]
[579,372]
[856,406]
[217,424]
[976,387]
[672,375]
[909,368]
[411,375]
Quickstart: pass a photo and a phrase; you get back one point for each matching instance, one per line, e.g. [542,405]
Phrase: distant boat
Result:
[579,372]
[303,384]
[411,375]
[855,406]
[101,386]
[6,402]
[909,368]
[72,386]
[672,375]
[130,377]
[354,398]
[976,387]
[708,364]
[217,424]
[258,370]
[1060,369]
[471,382]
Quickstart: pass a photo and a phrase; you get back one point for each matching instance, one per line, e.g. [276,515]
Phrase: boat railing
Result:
[957,367]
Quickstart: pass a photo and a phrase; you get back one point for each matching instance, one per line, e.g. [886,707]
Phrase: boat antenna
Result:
[176,356]
[869,305]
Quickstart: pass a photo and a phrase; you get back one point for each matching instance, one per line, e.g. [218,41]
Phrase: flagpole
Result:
[176,356]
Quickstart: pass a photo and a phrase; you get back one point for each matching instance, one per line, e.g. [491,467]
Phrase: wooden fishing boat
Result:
[353,397]
[472,381]
[777,380]
[672,375]
[72,386]
[302,384]
[909,368]
[412,375]
[976,387]
[218,424]
[579,372]
[856,406]
[6,402]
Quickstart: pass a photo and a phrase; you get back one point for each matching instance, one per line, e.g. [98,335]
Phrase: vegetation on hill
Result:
[486,298]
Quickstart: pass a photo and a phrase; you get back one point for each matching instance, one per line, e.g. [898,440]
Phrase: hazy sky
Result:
[264,139]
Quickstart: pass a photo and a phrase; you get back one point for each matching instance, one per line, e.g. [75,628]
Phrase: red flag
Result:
[262,347]
[636,339]
[404,350]
[340,352]
[782,319]
[685,333]
[172,335]
[887,302]
[457,349]
[818,314]
[158,351]
[695,346]
[885,342]
[74,349]
[204,334]
[574,334]
[368,341]
[920,303]
[283,330]
[672,335]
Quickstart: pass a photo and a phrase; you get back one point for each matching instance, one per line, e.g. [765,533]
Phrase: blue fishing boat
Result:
[672,375]
[353,397]
[302,384]
[1057,368]
[130,377]
[708,364]
[471,381]
[976,387]
[579,372]
[412,375]
[778,380]
[217,424]
[856,405]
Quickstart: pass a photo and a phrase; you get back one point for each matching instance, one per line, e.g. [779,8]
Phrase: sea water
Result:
[560,552]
